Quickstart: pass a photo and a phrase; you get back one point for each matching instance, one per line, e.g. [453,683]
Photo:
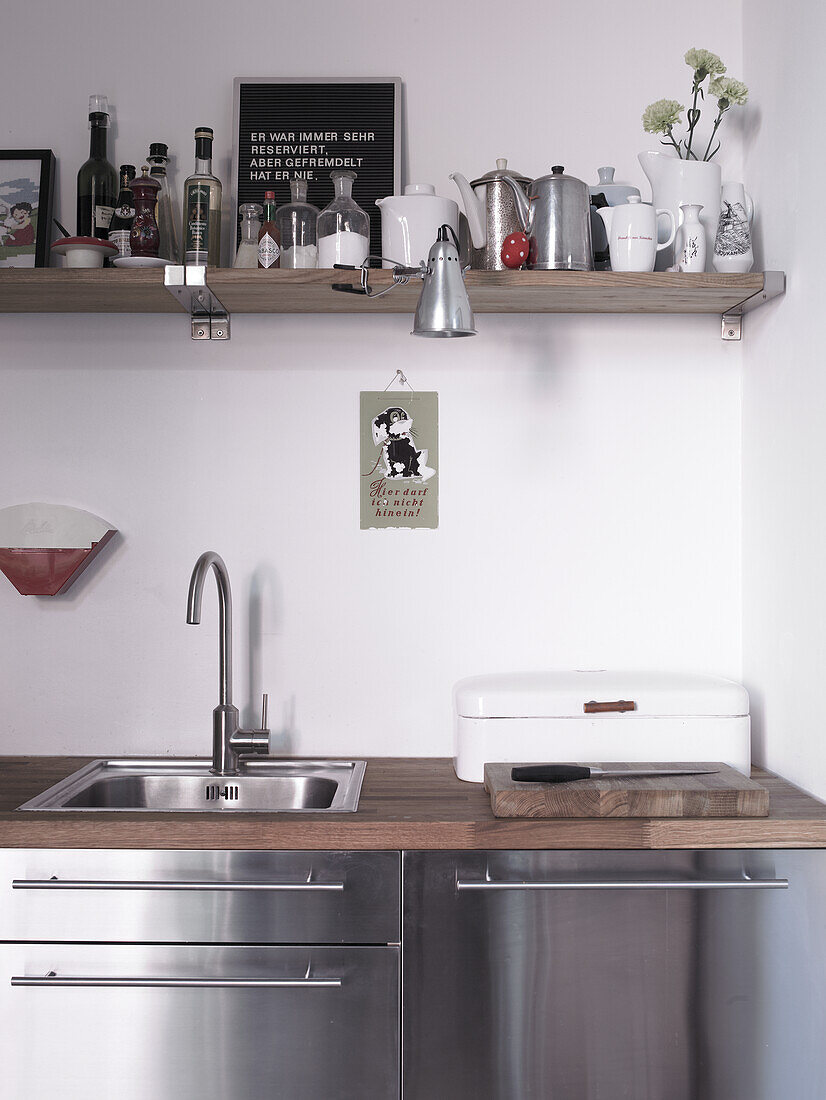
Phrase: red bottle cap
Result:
[269,196]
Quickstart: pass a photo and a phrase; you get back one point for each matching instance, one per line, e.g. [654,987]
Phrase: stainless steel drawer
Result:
[126,896]
[96,1021]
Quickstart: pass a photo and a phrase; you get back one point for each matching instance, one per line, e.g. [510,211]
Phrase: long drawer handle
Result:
[177,983]
[653,884]
[171,884]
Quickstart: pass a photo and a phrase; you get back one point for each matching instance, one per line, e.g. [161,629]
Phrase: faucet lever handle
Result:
[264,702]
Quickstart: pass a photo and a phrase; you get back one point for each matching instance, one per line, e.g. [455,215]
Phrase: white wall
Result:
[603,528]
[784,397]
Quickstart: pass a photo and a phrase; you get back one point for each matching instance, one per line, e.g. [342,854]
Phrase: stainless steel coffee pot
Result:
[556,216]
[491,212]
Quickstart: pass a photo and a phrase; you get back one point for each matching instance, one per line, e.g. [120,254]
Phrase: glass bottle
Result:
[343,227]
[247,254]
[202,206]
[269,239]
[97,180]
[124,214]
[165,212]
[297,226]
[144,238]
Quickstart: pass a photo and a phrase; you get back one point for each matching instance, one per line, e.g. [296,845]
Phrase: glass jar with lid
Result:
[343,227]
[247,254]
[297,226]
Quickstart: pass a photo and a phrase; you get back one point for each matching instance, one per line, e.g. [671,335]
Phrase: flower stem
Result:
[671,141]
[717,122]
[693,118]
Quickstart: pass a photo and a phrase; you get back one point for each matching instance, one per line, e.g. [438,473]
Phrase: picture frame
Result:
[315,126]
[26,201]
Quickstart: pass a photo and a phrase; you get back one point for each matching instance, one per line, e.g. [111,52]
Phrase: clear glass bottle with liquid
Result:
[202,206]
[297,226]
[247,254]
[343,227]
[165,211]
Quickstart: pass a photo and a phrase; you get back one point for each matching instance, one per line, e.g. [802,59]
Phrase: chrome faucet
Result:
[228,739]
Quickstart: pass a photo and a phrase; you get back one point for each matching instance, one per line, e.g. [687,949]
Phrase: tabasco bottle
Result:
[269,239]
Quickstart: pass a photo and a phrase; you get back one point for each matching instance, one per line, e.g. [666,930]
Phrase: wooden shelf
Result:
[61,290]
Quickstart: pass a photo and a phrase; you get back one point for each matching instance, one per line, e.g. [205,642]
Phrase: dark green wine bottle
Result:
[97,180]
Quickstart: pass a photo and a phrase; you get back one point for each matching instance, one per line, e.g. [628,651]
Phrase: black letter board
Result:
[289,128]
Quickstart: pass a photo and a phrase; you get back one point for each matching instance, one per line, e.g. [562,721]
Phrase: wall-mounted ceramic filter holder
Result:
[45,547]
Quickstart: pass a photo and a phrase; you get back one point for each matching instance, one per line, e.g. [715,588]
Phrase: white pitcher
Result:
[675,182]
[632,234]
[732,245]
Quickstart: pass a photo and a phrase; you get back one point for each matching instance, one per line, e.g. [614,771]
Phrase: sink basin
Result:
[264,786]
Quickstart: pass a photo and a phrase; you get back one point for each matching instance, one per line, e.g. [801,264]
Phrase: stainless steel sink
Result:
[263,786]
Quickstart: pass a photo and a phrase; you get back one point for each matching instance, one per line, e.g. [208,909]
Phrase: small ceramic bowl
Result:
[84,251]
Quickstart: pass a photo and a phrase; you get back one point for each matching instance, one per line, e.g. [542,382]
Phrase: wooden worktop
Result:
[405,803]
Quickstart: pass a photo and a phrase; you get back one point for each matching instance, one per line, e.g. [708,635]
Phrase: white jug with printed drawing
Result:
[674,183]
[732,245]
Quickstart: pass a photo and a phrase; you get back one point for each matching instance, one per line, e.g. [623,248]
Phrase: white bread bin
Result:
[602,716]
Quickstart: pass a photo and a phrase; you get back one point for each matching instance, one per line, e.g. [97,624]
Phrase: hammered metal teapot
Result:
[490,206]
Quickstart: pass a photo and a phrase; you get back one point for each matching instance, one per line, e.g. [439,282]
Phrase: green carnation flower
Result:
[704,62]
[728,89]
[659,117]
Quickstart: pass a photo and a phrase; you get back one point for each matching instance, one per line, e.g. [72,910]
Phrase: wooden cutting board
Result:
[724,793]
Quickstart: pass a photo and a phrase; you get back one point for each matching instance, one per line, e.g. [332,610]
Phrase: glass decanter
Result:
[247,254]
[343,227]
[297,226]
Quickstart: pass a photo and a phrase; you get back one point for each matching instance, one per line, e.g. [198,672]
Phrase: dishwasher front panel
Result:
[97,1022]
[581,975]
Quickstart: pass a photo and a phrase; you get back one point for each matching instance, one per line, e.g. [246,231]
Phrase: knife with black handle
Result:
[567,773]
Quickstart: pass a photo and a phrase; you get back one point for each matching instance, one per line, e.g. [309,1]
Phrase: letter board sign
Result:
[289,128]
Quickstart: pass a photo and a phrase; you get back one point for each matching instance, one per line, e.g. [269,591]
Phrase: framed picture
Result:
[26,195]
[288,128]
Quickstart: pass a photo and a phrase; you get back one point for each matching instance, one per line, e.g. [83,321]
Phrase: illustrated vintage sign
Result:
[289,128]
[399,459]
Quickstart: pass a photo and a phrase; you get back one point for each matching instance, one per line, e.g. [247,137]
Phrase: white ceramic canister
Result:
[410,223]
[632,234]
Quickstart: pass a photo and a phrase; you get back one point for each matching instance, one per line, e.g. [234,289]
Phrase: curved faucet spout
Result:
[193,615]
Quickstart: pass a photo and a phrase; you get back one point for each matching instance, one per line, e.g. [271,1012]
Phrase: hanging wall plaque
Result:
[289,128]
[399,459]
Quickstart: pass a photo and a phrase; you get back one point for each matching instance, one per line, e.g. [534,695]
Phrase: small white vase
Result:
[732,245]
[691,239]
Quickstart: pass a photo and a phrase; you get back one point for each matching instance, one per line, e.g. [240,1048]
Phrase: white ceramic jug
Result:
[632,234]
[410,223]
[675,182]
[732,245]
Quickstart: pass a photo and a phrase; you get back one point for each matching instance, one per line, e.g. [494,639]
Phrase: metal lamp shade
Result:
[444,307]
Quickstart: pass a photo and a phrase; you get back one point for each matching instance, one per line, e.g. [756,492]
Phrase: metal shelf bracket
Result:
[774,284]
[209,318]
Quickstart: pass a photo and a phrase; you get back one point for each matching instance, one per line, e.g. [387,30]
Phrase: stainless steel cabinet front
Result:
[586,975]
[199,896]
[94,1022]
